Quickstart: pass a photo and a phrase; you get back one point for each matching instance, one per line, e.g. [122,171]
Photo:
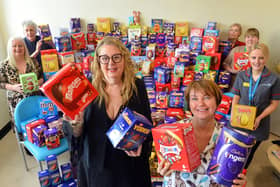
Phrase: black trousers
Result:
[251,155]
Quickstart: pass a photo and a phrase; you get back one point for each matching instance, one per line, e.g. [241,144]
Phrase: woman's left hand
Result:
[135,153]
[257,123]
[240,181]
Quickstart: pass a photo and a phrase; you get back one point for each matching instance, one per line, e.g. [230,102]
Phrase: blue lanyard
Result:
[252,93]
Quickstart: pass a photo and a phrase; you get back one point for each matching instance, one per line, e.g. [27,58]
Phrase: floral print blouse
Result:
[10,75]
[199,177]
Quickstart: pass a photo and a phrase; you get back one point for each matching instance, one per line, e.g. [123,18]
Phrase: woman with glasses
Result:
[100,164]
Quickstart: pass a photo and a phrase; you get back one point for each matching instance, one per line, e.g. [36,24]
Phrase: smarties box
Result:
[176,143]
[129,130]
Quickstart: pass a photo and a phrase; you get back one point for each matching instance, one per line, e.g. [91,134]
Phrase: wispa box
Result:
[176,143]
[30,126]
[52,163]
[38,135]
[70,90]
[29,82]
[129,130]
[66,172]
[44,178]
[243,116]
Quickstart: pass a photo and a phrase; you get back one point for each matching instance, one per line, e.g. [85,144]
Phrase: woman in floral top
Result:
[203,98]
[18,62]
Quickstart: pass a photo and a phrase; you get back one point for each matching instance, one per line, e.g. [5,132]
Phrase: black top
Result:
[100,163]
[31,46]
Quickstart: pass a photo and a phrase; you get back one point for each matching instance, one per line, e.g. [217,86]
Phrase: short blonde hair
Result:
[11,57]
[128,77]
[253,32]
[207,86]
[264,49]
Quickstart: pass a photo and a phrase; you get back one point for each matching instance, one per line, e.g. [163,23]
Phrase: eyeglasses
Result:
[104,59]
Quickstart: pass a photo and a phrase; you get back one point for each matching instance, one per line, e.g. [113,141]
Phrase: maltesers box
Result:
[241,61]
[176,143]
[129,130]
[29,82]
[243,116]
[70,90]
[29,127]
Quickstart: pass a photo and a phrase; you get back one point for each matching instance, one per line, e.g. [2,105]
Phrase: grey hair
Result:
[29,23]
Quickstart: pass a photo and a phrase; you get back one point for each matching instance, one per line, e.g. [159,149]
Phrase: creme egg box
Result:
[129,130]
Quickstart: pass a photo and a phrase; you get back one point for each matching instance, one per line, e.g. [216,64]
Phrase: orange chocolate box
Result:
[176,143]
[70,90]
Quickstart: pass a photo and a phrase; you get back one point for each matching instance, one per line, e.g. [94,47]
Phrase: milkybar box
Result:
[70,90]
[243,116]
[176,143]
[49,60]
[29,82]
[129,130]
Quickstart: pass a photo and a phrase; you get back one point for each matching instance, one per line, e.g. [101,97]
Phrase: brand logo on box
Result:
[75,84]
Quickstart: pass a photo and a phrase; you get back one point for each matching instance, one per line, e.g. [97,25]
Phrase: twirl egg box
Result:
[129,130]
[70,90]
[66,172]
[44,178]
[29,82]
[52,163]
[176,143]
[243,116]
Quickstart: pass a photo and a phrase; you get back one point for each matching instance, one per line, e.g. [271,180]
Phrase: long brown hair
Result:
[128,77]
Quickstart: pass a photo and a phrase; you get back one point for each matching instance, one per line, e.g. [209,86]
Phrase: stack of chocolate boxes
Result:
[52,177]
[45,129]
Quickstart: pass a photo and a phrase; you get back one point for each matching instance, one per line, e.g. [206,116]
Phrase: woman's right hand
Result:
[15,87]
[164,168]
[77,123]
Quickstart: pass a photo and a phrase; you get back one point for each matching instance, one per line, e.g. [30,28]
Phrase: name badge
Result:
[246,84]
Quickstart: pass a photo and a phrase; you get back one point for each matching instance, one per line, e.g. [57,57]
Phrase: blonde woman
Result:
[18,62]
[259,87]
[100,164]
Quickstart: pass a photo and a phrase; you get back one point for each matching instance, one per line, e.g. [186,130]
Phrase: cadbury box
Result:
[176,143]
[243,116]
[44,178]
[30,126]
[69,90]
[129,130]
[29,82]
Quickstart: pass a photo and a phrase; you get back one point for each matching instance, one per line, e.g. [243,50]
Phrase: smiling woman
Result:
[18,62]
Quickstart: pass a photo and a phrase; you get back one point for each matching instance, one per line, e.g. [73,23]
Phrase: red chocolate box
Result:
[70,90]
[176,143]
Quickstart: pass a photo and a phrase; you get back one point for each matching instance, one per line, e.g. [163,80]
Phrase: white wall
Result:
[263,15]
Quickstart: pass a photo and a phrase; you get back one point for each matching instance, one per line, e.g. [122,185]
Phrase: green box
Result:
[29,82]
[202,63]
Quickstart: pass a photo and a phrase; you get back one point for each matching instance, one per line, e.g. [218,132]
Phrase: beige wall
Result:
[263,15]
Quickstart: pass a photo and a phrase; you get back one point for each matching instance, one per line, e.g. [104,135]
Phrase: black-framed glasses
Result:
[105,59]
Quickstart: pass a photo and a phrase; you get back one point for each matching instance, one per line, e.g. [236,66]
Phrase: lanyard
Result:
[252,93]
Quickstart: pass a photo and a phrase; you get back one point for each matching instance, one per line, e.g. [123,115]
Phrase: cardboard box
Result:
[49,60]
[243,116]
[70,90]
[30,126]
[29,82]
[241,61]
[129,130]
[176,143]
